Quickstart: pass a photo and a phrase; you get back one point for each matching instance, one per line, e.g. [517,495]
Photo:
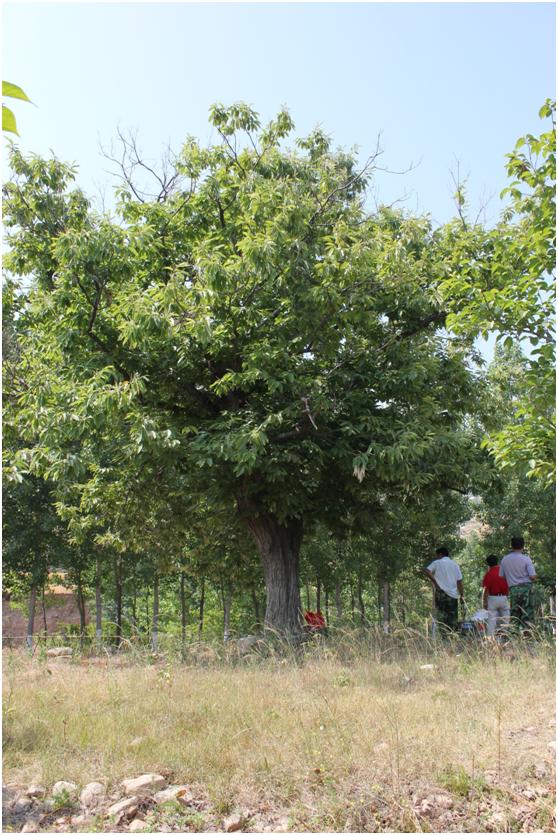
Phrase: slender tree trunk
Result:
[182,613]
[155,630]
[118,601]
[279,546]
[256,607]
[338,601]
[318,594]
[81,609]
[352,604]
[98,606]
[361,601]
[147,620]
[134,603]
[43,607]
[226,596]
[326,596]
[202,604]
[386,607]
[31,616]
[307,590]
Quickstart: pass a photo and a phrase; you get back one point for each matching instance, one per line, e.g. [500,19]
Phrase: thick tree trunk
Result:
[31,616]
[202,604]
[182,613]
[386,606]
[155,629]
[279,547]
[98,607]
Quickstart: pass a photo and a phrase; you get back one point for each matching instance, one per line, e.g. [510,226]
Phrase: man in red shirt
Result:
[495,597]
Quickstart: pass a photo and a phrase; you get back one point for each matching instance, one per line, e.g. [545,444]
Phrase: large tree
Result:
[250,335]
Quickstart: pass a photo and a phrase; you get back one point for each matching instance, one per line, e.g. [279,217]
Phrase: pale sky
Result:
[442,82]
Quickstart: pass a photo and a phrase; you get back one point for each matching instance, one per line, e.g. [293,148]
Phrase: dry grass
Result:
[352,744]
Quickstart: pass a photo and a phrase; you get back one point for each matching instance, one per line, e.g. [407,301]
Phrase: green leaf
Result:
[8,120]
[13,91]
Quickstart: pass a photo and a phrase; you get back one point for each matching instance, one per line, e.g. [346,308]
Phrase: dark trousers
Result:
[446,610]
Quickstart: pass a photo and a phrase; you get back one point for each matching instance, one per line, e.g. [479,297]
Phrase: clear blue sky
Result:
[441,81]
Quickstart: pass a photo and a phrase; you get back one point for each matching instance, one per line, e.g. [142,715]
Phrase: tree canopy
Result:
[251,335]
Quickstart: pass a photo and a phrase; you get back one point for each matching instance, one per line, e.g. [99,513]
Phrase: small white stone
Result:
[427,666]
[92,794]
[64,786]
[145,784]
[54,652]
[138,825]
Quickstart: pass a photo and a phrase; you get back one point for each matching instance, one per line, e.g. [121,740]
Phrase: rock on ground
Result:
[173,793]
[234,823]
[55,652]
[92,794]
[124,808]
[36,791]
[145,784]
[138,825]
[64,786]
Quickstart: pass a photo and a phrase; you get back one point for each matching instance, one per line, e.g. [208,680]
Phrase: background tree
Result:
[501,282]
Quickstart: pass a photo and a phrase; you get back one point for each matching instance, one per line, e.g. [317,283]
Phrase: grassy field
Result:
[349,737]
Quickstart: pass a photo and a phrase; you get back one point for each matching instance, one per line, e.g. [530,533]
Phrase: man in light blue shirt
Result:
[519,572]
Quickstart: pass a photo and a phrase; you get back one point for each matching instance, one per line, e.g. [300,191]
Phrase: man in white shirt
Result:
[445,575]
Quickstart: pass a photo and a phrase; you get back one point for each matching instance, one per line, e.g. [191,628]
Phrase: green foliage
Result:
[501,281]
[8,119]
[253,337]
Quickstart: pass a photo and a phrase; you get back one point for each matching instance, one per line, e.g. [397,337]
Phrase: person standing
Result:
[519,572]
[445,575]
[495,597]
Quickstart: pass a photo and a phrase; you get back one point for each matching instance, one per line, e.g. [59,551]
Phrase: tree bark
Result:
[361,601]
[202,603]
[386,606]
[307,590]
[326,596]
[318,594]
[182,613]
[118,601]
[155,629]
[226,596]
[43,606]
[338,601]
[81,609]
[31,616]
[256,607]
[279,546]
[98,606]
